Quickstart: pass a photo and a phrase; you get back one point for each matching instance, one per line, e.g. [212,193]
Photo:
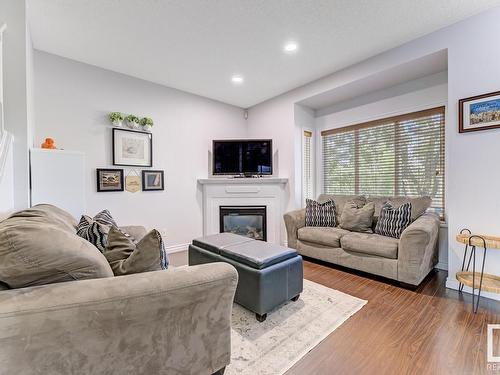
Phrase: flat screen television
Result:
[243,157]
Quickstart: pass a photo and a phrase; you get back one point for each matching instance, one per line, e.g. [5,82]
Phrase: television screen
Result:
[242,157]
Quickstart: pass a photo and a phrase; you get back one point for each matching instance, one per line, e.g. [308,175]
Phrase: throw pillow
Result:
[126,257]
[93,231]
[320,214]
[39,246]
[393,221]
[357,218]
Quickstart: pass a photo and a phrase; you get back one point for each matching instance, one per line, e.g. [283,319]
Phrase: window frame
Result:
[440,107]
[312,159]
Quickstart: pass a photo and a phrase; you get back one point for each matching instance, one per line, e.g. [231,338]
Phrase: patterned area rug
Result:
[290,332]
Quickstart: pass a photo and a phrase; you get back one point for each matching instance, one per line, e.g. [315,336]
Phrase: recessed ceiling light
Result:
[290,47]
[237,79]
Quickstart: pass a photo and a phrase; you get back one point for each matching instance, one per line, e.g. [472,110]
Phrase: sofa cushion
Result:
[372,244]
[341,200]
[126,257]
[39,246]
[418,205]
[320,214]
[357,218]
[321,235]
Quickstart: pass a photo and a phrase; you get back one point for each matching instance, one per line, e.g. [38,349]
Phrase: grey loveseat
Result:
[176,321]
[408,259]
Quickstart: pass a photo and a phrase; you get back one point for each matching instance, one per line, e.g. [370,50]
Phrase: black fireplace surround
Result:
[248,221]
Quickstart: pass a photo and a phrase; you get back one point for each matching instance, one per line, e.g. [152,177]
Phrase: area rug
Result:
[290,332]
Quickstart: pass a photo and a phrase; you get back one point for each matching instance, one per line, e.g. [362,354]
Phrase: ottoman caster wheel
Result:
[294,299]
[261,318]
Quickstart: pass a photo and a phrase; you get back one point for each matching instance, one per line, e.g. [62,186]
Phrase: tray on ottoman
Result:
[269,275]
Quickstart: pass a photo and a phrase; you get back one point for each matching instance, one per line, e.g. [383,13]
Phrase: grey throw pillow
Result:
[126,257]
[357,218]
[39,246]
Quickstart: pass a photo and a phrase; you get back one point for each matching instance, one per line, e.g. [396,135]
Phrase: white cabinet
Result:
[58,178]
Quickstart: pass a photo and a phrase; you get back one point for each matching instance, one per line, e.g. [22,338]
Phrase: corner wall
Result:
[472,70]
[72,101]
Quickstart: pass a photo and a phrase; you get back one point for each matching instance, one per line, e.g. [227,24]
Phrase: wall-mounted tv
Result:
[243,157]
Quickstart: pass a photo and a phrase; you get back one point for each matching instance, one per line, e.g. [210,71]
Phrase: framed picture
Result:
[109,180]
[480,112]
[132,148]
[152,180]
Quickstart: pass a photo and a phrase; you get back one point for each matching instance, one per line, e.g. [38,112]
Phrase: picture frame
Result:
[153,180]
[109,179]
[480,112]
[132,148]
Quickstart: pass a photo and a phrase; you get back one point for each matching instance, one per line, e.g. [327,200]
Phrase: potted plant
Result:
[147,123]
[116,118]
[132,121]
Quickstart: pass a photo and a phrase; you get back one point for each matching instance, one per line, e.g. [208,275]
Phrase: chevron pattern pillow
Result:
[320,214]
[393,221]
[93,231]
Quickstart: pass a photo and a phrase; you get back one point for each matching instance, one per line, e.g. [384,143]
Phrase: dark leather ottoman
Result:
[269,275]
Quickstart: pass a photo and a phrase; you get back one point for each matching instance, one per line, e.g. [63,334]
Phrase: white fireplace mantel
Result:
[265,191]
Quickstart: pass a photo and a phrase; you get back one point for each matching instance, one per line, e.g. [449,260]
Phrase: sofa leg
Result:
[220,372]
[296,298]
[260,318]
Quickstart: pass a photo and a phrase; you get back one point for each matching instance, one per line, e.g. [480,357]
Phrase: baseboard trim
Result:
[452,283]
[442,266]
[176,248]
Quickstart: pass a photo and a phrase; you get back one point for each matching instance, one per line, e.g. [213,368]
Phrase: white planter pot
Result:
[132,125]
[147,128]
[118,123]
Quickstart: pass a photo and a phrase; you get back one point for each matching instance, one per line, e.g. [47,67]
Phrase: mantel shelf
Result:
[242,181]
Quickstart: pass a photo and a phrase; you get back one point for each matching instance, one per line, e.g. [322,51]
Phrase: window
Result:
[397,156]
[307,167]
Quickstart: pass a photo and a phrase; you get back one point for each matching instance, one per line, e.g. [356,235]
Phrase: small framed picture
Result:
[109,180]
[132,148]
[480,112]
[152,180]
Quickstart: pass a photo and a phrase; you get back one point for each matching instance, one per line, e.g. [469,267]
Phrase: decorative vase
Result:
[132,125]
[118,123]
[147,128]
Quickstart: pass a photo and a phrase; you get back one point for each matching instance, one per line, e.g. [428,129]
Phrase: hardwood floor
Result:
[431,330]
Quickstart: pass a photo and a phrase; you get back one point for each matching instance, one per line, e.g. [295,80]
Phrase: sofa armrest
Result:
[158,322]
[136,231]
[417,253]
[294,220]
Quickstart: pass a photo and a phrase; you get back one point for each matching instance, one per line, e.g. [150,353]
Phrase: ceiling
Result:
[197,45]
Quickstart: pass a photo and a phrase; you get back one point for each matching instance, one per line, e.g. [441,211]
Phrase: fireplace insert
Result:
[248,221]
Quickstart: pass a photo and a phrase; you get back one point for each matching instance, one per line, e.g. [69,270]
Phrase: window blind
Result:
[307,169]
[396,156]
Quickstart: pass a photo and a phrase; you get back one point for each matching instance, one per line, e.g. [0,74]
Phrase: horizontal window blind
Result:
[307,178]
[396,156]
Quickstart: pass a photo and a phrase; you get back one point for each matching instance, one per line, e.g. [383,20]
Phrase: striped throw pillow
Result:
[393,221]
[320,214]
[93,231]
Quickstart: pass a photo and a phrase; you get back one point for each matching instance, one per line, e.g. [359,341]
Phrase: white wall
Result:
[17,86]
[7,185]
[72,101]
[472,70]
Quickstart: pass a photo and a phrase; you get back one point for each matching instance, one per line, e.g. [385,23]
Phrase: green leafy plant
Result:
[146,121]
[116,116]
[132,118]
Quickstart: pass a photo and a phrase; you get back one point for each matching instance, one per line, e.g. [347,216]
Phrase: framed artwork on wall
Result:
[481,112]
[109,180]
[152,180]
[132,148]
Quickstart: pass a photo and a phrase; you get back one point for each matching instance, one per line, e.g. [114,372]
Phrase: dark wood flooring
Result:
[430,330]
